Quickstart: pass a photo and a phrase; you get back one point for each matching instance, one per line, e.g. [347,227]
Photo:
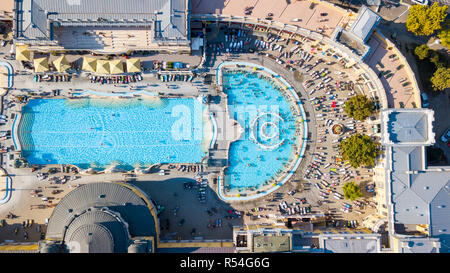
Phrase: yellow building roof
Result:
[116,67]
[89,64]
[41,65]
[22,53]
[134,65]
[61,64]
[103,67]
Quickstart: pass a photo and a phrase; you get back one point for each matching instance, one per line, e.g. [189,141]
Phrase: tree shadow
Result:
[207,6]
[7,233]
[181,203]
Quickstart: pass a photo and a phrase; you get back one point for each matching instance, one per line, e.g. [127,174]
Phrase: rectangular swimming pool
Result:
[125,132]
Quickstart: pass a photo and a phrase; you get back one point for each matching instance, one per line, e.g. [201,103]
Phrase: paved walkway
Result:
[309,18]
[399,88]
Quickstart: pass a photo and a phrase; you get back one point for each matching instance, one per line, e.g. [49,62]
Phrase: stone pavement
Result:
[310,18]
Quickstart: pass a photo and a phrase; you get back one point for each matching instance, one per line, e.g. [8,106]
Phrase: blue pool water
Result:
[98,132]
[269,133]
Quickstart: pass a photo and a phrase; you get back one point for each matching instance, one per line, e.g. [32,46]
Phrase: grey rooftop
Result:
[419,245]
[364,23]
[418,194]
[407,127]
[35,19]
[101,217]
[350,243]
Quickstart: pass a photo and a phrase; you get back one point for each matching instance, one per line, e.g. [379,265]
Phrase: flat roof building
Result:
[408,127]
[350,243]
[108,26]
[251,239]
[258,240]
[359,32]
[418,195]
[364,24]
[418,245]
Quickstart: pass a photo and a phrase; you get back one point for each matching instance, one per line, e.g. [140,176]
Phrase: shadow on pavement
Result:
[184,217]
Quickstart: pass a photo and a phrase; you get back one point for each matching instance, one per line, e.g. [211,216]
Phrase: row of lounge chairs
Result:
[51,78]
[175,77]
[116,79]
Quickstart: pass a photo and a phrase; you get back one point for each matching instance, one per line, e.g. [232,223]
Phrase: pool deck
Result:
[80,84]
[228,130]
[24,85]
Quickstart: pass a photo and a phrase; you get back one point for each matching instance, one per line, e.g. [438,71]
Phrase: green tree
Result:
[444,35]
[424,20]
[359,150]
[359,107]
[422,51]
[352,191]
[441,79]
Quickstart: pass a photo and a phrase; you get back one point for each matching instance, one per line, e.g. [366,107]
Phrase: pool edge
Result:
[293,169]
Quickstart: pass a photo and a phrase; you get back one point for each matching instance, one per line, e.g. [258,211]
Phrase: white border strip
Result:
[10,73]
[7,196]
